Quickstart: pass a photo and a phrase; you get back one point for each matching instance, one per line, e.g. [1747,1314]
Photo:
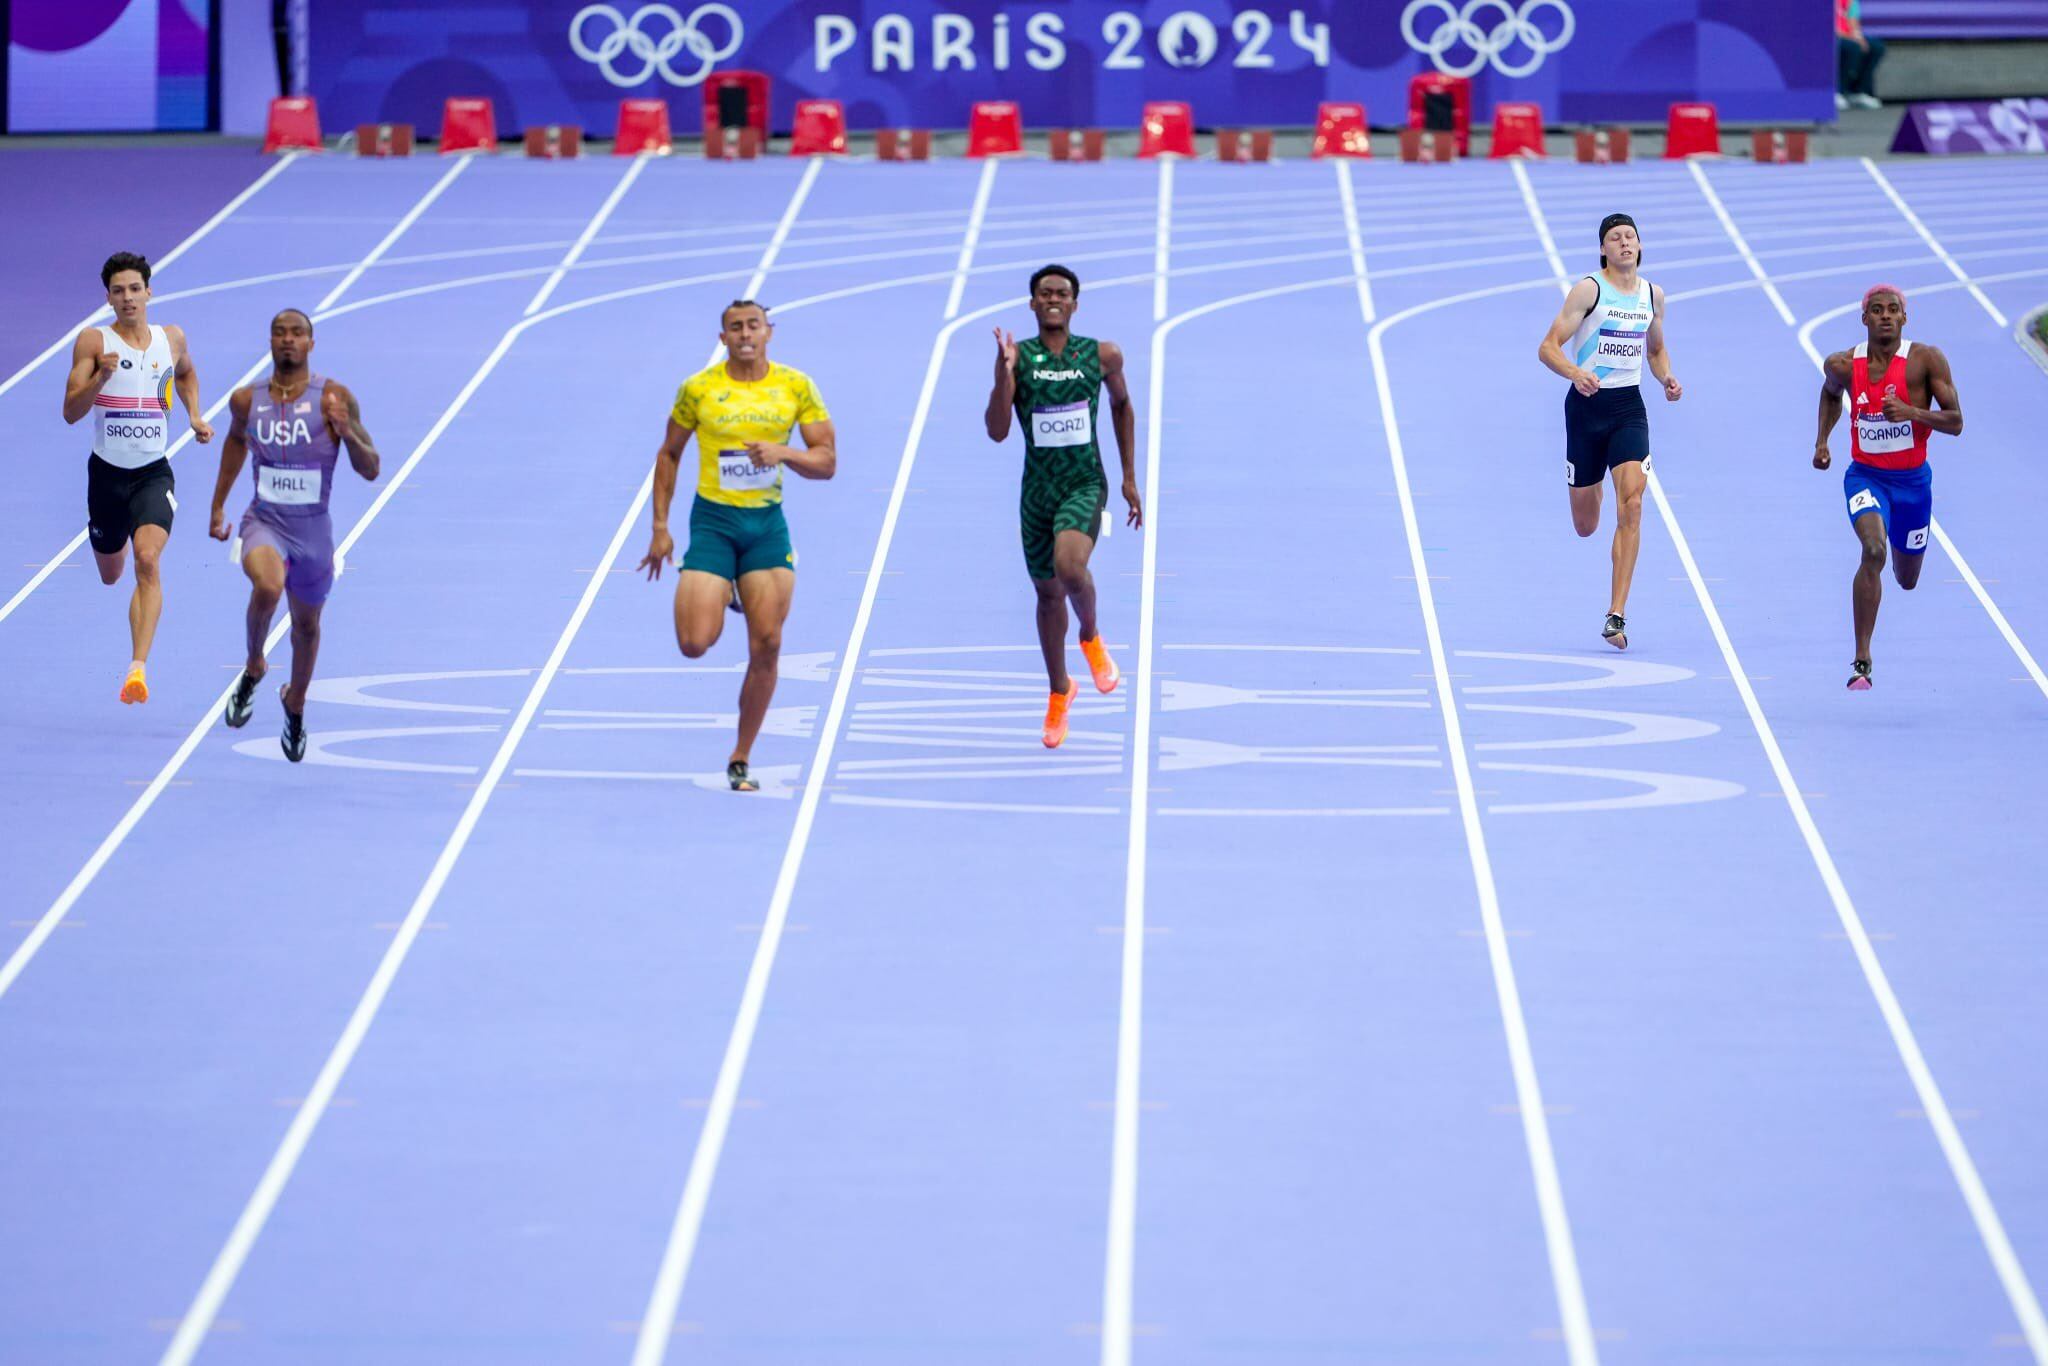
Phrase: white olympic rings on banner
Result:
[1458,29]
[629,36]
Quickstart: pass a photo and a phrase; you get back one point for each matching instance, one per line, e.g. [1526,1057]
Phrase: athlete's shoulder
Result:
[89,342]
[1111,355]
[703,379]
[789,374]
[241,400]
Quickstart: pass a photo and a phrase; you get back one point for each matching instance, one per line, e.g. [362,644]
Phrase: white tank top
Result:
[131,415]
[1611,341]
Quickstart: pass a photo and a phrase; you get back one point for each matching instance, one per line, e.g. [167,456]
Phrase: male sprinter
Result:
[123,376]
[742,410]
[1053,383]
[1614,323]
[295,428]
[1889,484]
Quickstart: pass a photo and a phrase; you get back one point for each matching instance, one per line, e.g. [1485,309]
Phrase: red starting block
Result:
[1517,130]
[1341,132]
[384,139]
[1167,129]
[1779,146]
[1601,146]
[1693,131]
[468,124]
[554,141]
[995,128]
[294,125]
[1428,145]
[819,129]
[903,144]
[1075,144]
[1434,98]
[732,144]
[643,129]
[1256,145]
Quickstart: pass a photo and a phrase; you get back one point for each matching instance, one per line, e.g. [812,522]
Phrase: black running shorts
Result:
[119,500]
[1611,428]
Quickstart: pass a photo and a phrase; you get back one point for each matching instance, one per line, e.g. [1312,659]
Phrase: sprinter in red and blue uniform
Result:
[1889,486]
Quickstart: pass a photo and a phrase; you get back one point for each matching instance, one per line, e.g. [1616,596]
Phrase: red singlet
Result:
[1875,439]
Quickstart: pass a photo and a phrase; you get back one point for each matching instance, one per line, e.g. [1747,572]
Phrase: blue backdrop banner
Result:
[917,63]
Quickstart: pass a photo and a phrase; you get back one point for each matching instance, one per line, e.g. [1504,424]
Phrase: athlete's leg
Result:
[1586,509]
[305,650]
[1070,553]
[1052,630]
[766,595]
[265,568]
[1629,483]
[147,602]
[1906,568]
[701,600]
[1869,584]
[110,566]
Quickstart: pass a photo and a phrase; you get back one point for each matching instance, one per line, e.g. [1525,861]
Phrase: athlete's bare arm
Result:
[233,451]
[819,459]
[1947,418]
[188,383]
[1655,355]
[92,365]
[1835,373]
[344,418]
[1123,416]
[667,461]
[1577,305]
[1003,397]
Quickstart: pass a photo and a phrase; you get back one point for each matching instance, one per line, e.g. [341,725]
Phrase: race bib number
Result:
[1618,347]
[292,487]
[131,434]
[737,473]
[1862,500]
[1917,540]
[1877,434]
[1067,425]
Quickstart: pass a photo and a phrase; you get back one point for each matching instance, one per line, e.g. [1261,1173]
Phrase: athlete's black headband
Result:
[1609,224]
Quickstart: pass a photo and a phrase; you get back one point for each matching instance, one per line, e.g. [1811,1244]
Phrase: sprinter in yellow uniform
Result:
[742,410]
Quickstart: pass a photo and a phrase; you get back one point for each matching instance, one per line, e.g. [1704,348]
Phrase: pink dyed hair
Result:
[1884,289]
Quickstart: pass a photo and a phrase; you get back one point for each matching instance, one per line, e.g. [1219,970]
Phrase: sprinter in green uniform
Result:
[1053,384]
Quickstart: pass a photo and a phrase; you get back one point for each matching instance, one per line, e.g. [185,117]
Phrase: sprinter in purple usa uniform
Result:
[295,428]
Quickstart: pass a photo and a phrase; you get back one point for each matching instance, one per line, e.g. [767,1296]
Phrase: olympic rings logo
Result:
[632,38]
[1459,29]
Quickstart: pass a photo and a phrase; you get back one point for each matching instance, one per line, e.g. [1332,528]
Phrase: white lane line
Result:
[1365,305]
[1557,1232]
[975,219]
[1735,235]
[58,909]
[2026,1307]
[1163,239]
[658,1321]
[1121,1244]
[1941,536]
[1956,270]
[583,242]
[102,313]
[214,409]
[199,1318]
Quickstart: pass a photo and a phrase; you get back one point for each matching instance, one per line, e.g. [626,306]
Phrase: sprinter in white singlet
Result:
[1614,324]
[124,376]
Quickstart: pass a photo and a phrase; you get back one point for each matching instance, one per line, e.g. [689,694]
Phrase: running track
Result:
[1437,986]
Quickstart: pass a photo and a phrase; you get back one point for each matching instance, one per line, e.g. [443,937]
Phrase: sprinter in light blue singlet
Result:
[1609,331]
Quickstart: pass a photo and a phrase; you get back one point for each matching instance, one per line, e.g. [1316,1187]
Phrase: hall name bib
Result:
[1877,434]
[289,486]
[737,473]
[1066,425]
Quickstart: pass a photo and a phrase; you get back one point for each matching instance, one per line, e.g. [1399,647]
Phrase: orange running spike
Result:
[1101,665]
[135,688]
[1056,715]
